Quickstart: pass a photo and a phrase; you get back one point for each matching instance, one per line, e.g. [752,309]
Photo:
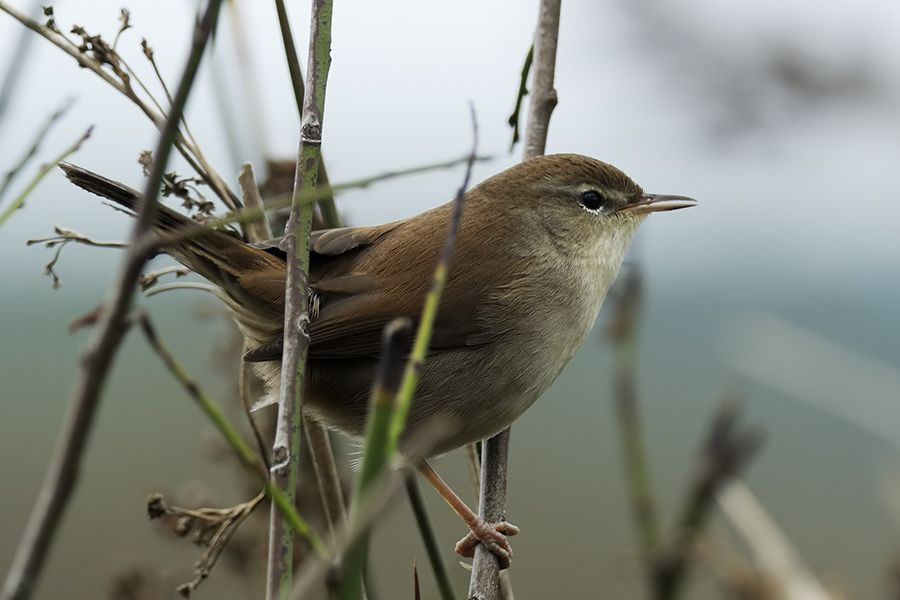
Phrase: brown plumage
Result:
[533,260]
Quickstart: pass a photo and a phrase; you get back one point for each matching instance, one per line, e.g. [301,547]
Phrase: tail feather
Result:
[166,220]
[244,272]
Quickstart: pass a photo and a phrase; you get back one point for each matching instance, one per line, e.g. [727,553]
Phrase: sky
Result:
[779,117]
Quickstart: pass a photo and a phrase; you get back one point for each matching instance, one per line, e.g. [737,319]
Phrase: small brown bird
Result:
[538,247]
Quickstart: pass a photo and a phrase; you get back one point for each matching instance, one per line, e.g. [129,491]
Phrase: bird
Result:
[538,247]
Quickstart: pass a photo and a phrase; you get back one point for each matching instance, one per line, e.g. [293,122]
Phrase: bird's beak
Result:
[649,203]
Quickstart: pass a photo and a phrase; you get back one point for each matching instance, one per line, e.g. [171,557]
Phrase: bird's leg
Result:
[492,535]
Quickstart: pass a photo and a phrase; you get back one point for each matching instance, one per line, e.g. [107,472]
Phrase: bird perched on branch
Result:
[538,247]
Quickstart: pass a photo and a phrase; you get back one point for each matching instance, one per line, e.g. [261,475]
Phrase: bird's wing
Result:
[359,285]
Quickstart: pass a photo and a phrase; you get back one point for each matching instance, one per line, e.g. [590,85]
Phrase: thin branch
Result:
[381,494]
[189,151]
[62,473]
[520,97]
[429,538]
[543,94]
[726,453]
[771,548]
[65,236]
[35,145]
[484,581]
[17,59]
[286,449]
[19,200]
[318,440]
[328,479]
[326,204]
[621,329]
[280,501]
[432,301]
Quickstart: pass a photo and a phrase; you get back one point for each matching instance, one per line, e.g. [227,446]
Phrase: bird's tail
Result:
[251,278]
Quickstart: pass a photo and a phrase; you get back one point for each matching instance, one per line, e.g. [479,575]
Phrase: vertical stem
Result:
[483,584]
[429,538]
[62,473]
[285,453]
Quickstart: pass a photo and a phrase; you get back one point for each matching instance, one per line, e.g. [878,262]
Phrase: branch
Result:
[120,81]
[62,473]
[621,329]
[19,200]
[484,582]
[726,452]
[286,450]
[317,437]
[432,301]
[35,144]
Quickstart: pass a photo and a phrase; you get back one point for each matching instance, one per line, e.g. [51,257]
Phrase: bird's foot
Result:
[493,536]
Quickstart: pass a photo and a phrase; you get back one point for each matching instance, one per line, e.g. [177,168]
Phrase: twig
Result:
[35,145]
[16,64]
[64,236]
[382,491]
[211,528]
[484,581]
[772,550]
[257,231]
[189,151]
[19,200]
[286,450]
[429,538]
[318,440]
[483,584]
[543,94]
[326,204]
[474,468]
[328,479]
[281,503]
[432,301]
[520,96]
[63,470]
[621,329]
[726,452]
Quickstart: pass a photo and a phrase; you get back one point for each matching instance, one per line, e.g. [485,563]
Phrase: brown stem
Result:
[483,584]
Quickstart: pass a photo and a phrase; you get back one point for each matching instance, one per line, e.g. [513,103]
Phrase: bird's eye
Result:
[592,200]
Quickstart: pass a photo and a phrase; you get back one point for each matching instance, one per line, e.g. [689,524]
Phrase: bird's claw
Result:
[493,536]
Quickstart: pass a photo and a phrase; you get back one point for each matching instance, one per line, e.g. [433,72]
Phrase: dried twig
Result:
[35,145]
[63,470]
[483,584]
[210,528]
[92,53]
[19,200]
[726,452]
[286,450]
[65,236]
[772,550]
[280,501]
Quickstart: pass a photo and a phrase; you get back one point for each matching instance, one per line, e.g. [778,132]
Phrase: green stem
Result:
[286,450]
[429,538]
[17,203]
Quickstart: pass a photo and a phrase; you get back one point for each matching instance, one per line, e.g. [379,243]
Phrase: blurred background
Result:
[780,117]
